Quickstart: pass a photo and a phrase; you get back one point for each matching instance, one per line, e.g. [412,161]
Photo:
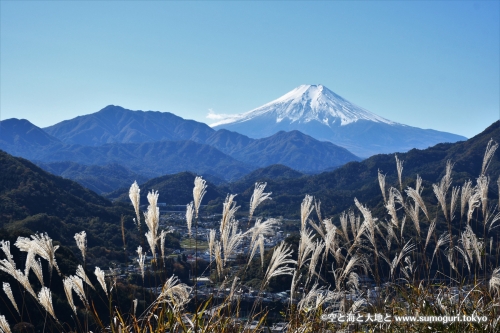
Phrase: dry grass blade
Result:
[453,204]
[432,226]
[467,191]
[173,293]
[482,184]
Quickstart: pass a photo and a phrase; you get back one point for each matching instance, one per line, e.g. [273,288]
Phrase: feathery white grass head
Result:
[488,154]
[482,185]
[99,273]
[77,285]
[140,260]
[305,210]
[278,265]
[45,299]
[163,234]
[152,220]
[8,292]
[4,325]
[258,197]
[474,201]
[81,242]
[467,191]
[41,244]
[134,195]
[81,274]
[415,195]
[199,190]
[173,293]
[189,216]
[68,290]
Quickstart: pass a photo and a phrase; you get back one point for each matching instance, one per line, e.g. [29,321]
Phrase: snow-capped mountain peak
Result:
[307,103]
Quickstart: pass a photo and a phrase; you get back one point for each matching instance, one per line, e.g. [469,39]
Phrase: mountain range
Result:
[317,111]
[149,144]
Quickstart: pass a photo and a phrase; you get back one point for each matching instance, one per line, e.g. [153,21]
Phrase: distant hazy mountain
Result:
[317,111]
[114,124]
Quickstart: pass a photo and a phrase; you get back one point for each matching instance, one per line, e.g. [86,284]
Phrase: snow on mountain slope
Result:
[306,103]
[317,111]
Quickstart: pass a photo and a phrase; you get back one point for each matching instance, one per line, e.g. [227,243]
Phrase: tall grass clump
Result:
[424,253]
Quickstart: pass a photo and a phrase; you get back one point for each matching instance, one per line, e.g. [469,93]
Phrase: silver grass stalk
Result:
[140,260]
[45,299]
[474,201]
[409,247]
[152,220]
[134,195]
[432,226]
[465,256]
[233,241]
[152,242]
[494,283]
[306,246]
[391,207]
[381,182]
[99,273]
[342,273]
[163,234]
[81,274]
[488,154]
[472,244]
[260,229]
[4,325]
[8,292]
[399,167]
[317,206]
[36,267]
[403,221]
[229,208]
[68,290]
[218,258]
[41,244]
[443,239]
[77,284]
[453,204]
[419,202]
[81,242]
[258,197]
[343,224]
[199,190]
[261,250]
[369,223]
[134,302]
[467,191]
[482,184]
[189,216]
[441,196]
[495,219]
[318,249]
[211,243]
[174,294]
[316,227]
[305,210]
[279,261]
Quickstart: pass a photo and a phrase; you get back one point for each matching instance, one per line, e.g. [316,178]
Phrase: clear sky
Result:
[426,64]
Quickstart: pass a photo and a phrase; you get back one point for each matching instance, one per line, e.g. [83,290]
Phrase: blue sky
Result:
[425,64]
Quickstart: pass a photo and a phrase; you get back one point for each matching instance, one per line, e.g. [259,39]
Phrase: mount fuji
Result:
[319,112]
